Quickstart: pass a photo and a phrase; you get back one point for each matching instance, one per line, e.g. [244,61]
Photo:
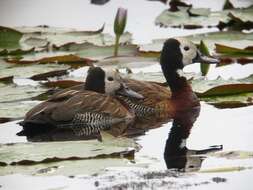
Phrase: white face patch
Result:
[183,143]
[180,73]
[188,50]
[112,82]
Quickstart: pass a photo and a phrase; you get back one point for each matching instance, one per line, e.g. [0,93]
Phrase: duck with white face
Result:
[86,111]
[160,103]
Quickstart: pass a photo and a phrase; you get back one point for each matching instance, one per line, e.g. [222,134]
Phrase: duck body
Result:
[84,112]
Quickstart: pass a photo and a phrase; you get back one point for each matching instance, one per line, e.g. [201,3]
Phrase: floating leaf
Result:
[248,51]
[228,5]
[227,89]
[228,38]
[91,51]
[15,52]
[204,50]
[46,152]
[230,101]
[45,76]
[9,38]
[6,80]
[203,17]
[233,154]
[28,70]
[228,60]
[72,60]
[237,23]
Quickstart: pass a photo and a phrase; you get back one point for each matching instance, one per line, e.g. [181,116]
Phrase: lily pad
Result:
[42,36]
[66,168]
[204,68]
[230,101]
[16,52]
[9,38]
[183,18]
[222,49]
[46,152]
[92,51]
[27,70]
[45,76]
[69,59]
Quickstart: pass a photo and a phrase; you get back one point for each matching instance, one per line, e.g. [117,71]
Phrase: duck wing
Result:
[85,113]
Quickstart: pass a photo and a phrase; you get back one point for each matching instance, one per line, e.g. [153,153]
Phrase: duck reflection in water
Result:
[176,154]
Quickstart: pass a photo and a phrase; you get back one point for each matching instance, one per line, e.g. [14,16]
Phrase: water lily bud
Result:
[120,21]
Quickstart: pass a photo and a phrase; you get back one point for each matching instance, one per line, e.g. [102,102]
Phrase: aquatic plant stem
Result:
[116,46]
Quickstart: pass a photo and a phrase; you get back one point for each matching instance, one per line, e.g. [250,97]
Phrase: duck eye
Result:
[110,79]
[186,48]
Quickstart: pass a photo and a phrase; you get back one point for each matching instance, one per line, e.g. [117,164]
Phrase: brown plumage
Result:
[83,111]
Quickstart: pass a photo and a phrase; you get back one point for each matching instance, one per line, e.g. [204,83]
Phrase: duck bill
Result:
[205,59]
[125,91]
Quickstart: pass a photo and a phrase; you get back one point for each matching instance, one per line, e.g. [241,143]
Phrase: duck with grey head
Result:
[85,112]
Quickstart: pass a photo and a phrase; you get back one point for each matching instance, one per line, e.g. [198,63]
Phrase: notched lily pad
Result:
[34,153]
[202,17]
[70,59]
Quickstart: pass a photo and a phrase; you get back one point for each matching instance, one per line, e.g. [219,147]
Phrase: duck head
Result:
[108,82]
[176,54]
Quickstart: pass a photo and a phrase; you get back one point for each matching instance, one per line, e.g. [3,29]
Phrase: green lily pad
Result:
[229,38]
[204,17]
[9,38]
[92,51]
[42,36]
[222,49]
[16,52]
[72,60]
[46,152]
[66,168]
[230,101]
[12,98]
[27,70]
[204,68]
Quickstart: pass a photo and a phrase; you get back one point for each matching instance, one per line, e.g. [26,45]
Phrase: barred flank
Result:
[90,123]
[140,110]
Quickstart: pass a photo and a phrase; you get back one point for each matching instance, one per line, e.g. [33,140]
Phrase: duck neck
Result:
[176,81]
